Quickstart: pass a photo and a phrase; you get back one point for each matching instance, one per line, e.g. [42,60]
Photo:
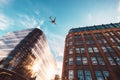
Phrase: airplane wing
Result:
[50,18]
[54,18]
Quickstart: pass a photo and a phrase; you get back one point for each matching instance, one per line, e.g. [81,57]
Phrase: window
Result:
[118,47]
[71,75]
[70,61]
[78,36]
[104,49]
[84,60]
[77,50]
[110,49]
[78,39]
[80,75]
[95,34]
[104,41]
[78,61]
[99,75]
[88,75]
[81,42]
[111,61]
[111,33]
[70,38]
[106,75]
[100,61]
[90,50]
[82,50]
[98,35]
[87,42]
[92,41]
[95,49]
[107,34]
[76,42]
[117,39]
[67,44]
[118,32]
[112,40]
[70,51]
[70,43]
[117,60]
[94,61]
[87,35]
[99,41]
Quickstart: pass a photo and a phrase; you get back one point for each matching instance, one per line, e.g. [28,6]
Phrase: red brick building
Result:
[92,53]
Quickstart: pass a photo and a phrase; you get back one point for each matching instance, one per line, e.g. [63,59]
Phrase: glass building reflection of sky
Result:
[9,41]
[39,62]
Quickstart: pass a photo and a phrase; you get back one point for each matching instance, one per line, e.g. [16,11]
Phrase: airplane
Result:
[53,20]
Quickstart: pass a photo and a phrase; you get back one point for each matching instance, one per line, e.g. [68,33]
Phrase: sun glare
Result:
[50,72]
[35,68]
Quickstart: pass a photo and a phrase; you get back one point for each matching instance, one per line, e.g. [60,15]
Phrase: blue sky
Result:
[23,14]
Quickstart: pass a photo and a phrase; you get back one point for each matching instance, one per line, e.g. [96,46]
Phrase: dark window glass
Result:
[77,50]
[90,50]
[80,75]
[71,75]
[95,49]
[100,61]
[82,50]
[104,49]
[117,59]
[99,41]
[106,75]
[84,60]
[88,75]
[70,61]
[70,51]
[118,47]
[78,61]
[94,61]
[111,61]
[99,75]
[110,49]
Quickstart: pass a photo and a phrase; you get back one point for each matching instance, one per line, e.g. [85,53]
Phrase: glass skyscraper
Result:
[26,56]
[92,53]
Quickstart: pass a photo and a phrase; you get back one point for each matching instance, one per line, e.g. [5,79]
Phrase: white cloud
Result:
[5,2]
[90,17]
[30,22]
[37,12]
[56,43]
[119,6]
[5,22]
[118,18]
[59,68]
[41,22]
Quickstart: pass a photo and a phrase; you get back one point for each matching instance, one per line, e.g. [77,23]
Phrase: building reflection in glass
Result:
[28,56]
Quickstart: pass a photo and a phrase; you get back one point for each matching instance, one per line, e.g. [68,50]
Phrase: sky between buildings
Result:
[24,14]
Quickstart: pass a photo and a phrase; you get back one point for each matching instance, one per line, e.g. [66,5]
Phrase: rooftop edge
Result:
[95,27]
